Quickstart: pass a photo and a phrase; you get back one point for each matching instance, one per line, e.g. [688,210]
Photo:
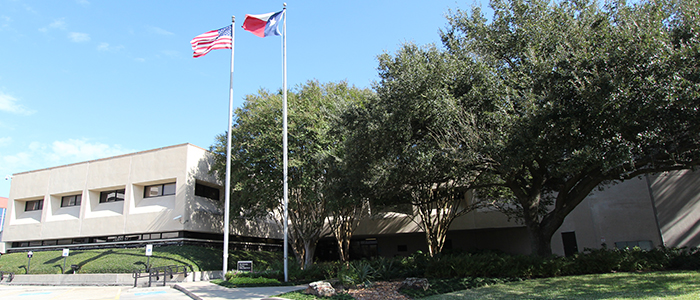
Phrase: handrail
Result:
[165,271]
[9,278]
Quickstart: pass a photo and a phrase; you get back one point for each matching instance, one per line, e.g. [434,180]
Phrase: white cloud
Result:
[9,104]
[16,159]
[107,47]
[57,24]
[171,53]
[160,31]
[79,37]
[39,155]
[81,150]
[5,22]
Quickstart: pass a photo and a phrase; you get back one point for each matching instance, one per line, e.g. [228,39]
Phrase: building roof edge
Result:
[111,157]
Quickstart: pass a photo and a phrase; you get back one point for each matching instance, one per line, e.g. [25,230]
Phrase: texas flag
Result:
[263,25]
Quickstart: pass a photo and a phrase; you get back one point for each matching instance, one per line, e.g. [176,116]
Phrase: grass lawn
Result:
[126,260]
[652,285]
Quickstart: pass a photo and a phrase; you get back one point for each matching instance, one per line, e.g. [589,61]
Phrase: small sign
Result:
[65,252]
[245,266]
[30,254]
[149,250]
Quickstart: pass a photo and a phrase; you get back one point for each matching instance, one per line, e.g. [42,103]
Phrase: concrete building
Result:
[651,211]
[165,195]
[168,195]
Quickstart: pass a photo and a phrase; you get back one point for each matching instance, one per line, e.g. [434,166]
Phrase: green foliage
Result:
[574,95]
[128,260]
[446,285]
[490,264]
[646,285]
[233,281]
[247,282]
[299,295]
[355,272]
[257,157]
[413,145]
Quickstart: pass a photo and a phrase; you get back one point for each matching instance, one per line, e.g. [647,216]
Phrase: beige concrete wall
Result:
[179,164]
[484,229]
[622,212]
[677,198]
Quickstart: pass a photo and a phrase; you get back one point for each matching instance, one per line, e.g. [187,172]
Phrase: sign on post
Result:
[29,260]
[245,266]
[65,256]
[149,252]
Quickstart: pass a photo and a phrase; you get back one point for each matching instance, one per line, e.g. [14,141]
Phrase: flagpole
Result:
[284,138]
[227,196]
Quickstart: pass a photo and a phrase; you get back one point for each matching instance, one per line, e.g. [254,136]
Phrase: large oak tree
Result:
[256,162]
[413,145]
[580,95]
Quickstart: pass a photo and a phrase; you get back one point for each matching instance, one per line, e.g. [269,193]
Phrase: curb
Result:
[188,293]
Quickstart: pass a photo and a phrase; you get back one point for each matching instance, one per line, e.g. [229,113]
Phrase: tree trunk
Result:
[540,242]
[344,248]
[436,242]
[309,250]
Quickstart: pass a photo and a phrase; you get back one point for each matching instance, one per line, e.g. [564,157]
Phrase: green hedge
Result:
[491,264]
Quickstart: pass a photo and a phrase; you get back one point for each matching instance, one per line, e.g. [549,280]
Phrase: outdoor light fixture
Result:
[179,219]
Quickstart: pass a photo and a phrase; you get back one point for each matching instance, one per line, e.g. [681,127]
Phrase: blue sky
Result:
[87,79]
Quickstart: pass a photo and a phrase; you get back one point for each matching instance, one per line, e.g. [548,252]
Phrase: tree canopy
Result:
[256,162]
[533,109]
[580,96]
[413,144]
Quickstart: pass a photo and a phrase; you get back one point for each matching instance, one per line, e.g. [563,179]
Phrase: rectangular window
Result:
[112,196]
[71,200]
[206,191]
[34,205]
[170,235]
[159,190]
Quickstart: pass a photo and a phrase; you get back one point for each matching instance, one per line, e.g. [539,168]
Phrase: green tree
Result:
[256,162]
[579,96]
[413,145]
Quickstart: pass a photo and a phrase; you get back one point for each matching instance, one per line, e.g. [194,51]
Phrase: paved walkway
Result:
[206,290]
[24,292]
[201,290]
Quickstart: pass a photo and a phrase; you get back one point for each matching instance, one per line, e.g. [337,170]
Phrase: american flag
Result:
[210,40]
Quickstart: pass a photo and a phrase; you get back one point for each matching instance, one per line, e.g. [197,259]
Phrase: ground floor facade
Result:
[168,195]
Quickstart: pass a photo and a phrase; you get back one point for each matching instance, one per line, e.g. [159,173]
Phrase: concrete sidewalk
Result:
[205,290]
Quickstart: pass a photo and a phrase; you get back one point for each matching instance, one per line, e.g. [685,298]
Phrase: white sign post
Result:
[65,256]
[149,252]
[29,262]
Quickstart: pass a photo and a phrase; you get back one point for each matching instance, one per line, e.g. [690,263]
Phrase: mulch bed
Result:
[378,290]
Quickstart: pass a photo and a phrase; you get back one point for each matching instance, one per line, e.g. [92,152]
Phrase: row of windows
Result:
[149,191]
[101,239]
